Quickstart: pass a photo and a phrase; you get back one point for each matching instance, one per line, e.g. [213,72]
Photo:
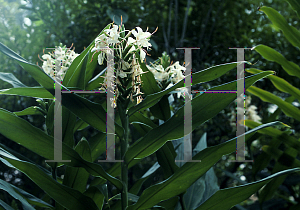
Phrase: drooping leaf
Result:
[33,110]
[295,5]
[290,32]
[266,96]
[227,198]
[186,175]
[272,55]
[82,68]
[8,188]
[67,197]
[280,84]
[10,78]
[35,92]
[36,72]
[34,139]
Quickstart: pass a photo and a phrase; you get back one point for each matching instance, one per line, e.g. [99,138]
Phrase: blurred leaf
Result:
[33,110]
[268,191]
[8,188]
[266,96]
[35,92]
[5,205]
[280,84]
[115,15]
[295,5]
[272,55]
[10,78]
[290,32]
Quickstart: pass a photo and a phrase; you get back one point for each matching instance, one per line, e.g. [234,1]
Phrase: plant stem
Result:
[124,148]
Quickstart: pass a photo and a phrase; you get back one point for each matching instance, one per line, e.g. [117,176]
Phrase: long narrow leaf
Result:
[227,198]
[35,92]
[266,96]
[67,197]
[185,176]
[22,132]
[272,55]
[290,32]
[199,77]
[204,107]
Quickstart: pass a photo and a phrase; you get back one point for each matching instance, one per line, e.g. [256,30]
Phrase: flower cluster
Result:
[61,54]
[250,113]
[126,63]
[170,75]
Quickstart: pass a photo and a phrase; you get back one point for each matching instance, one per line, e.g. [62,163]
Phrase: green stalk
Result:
[124,148]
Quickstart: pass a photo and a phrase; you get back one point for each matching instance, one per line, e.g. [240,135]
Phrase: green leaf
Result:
[36,72]
[214,72]
[290,32]
[227,198]
[97,144]
[266,96]
[268,191]
[96,82]
[8,188]
[162,110]
[280,84]
[80,125]
[67,197]
[33,110]
[199,77]
[204,107]
[281,156]
[22,132]
[5,205]
[166,158]
[10,78]
[35,92]
[186,175]
[77,178]
[206,185]
[115,15]
[32,199]
[81,71]
[272,55]
[90,112]
[95,194]
[170,203]
[295,5]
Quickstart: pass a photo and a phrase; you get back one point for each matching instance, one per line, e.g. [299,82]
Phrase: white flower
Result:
[113,35]
[142,38]
[62,55]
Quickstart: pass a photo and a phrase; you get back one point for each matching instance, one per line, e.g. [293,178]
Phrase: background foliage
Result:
[214,26]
